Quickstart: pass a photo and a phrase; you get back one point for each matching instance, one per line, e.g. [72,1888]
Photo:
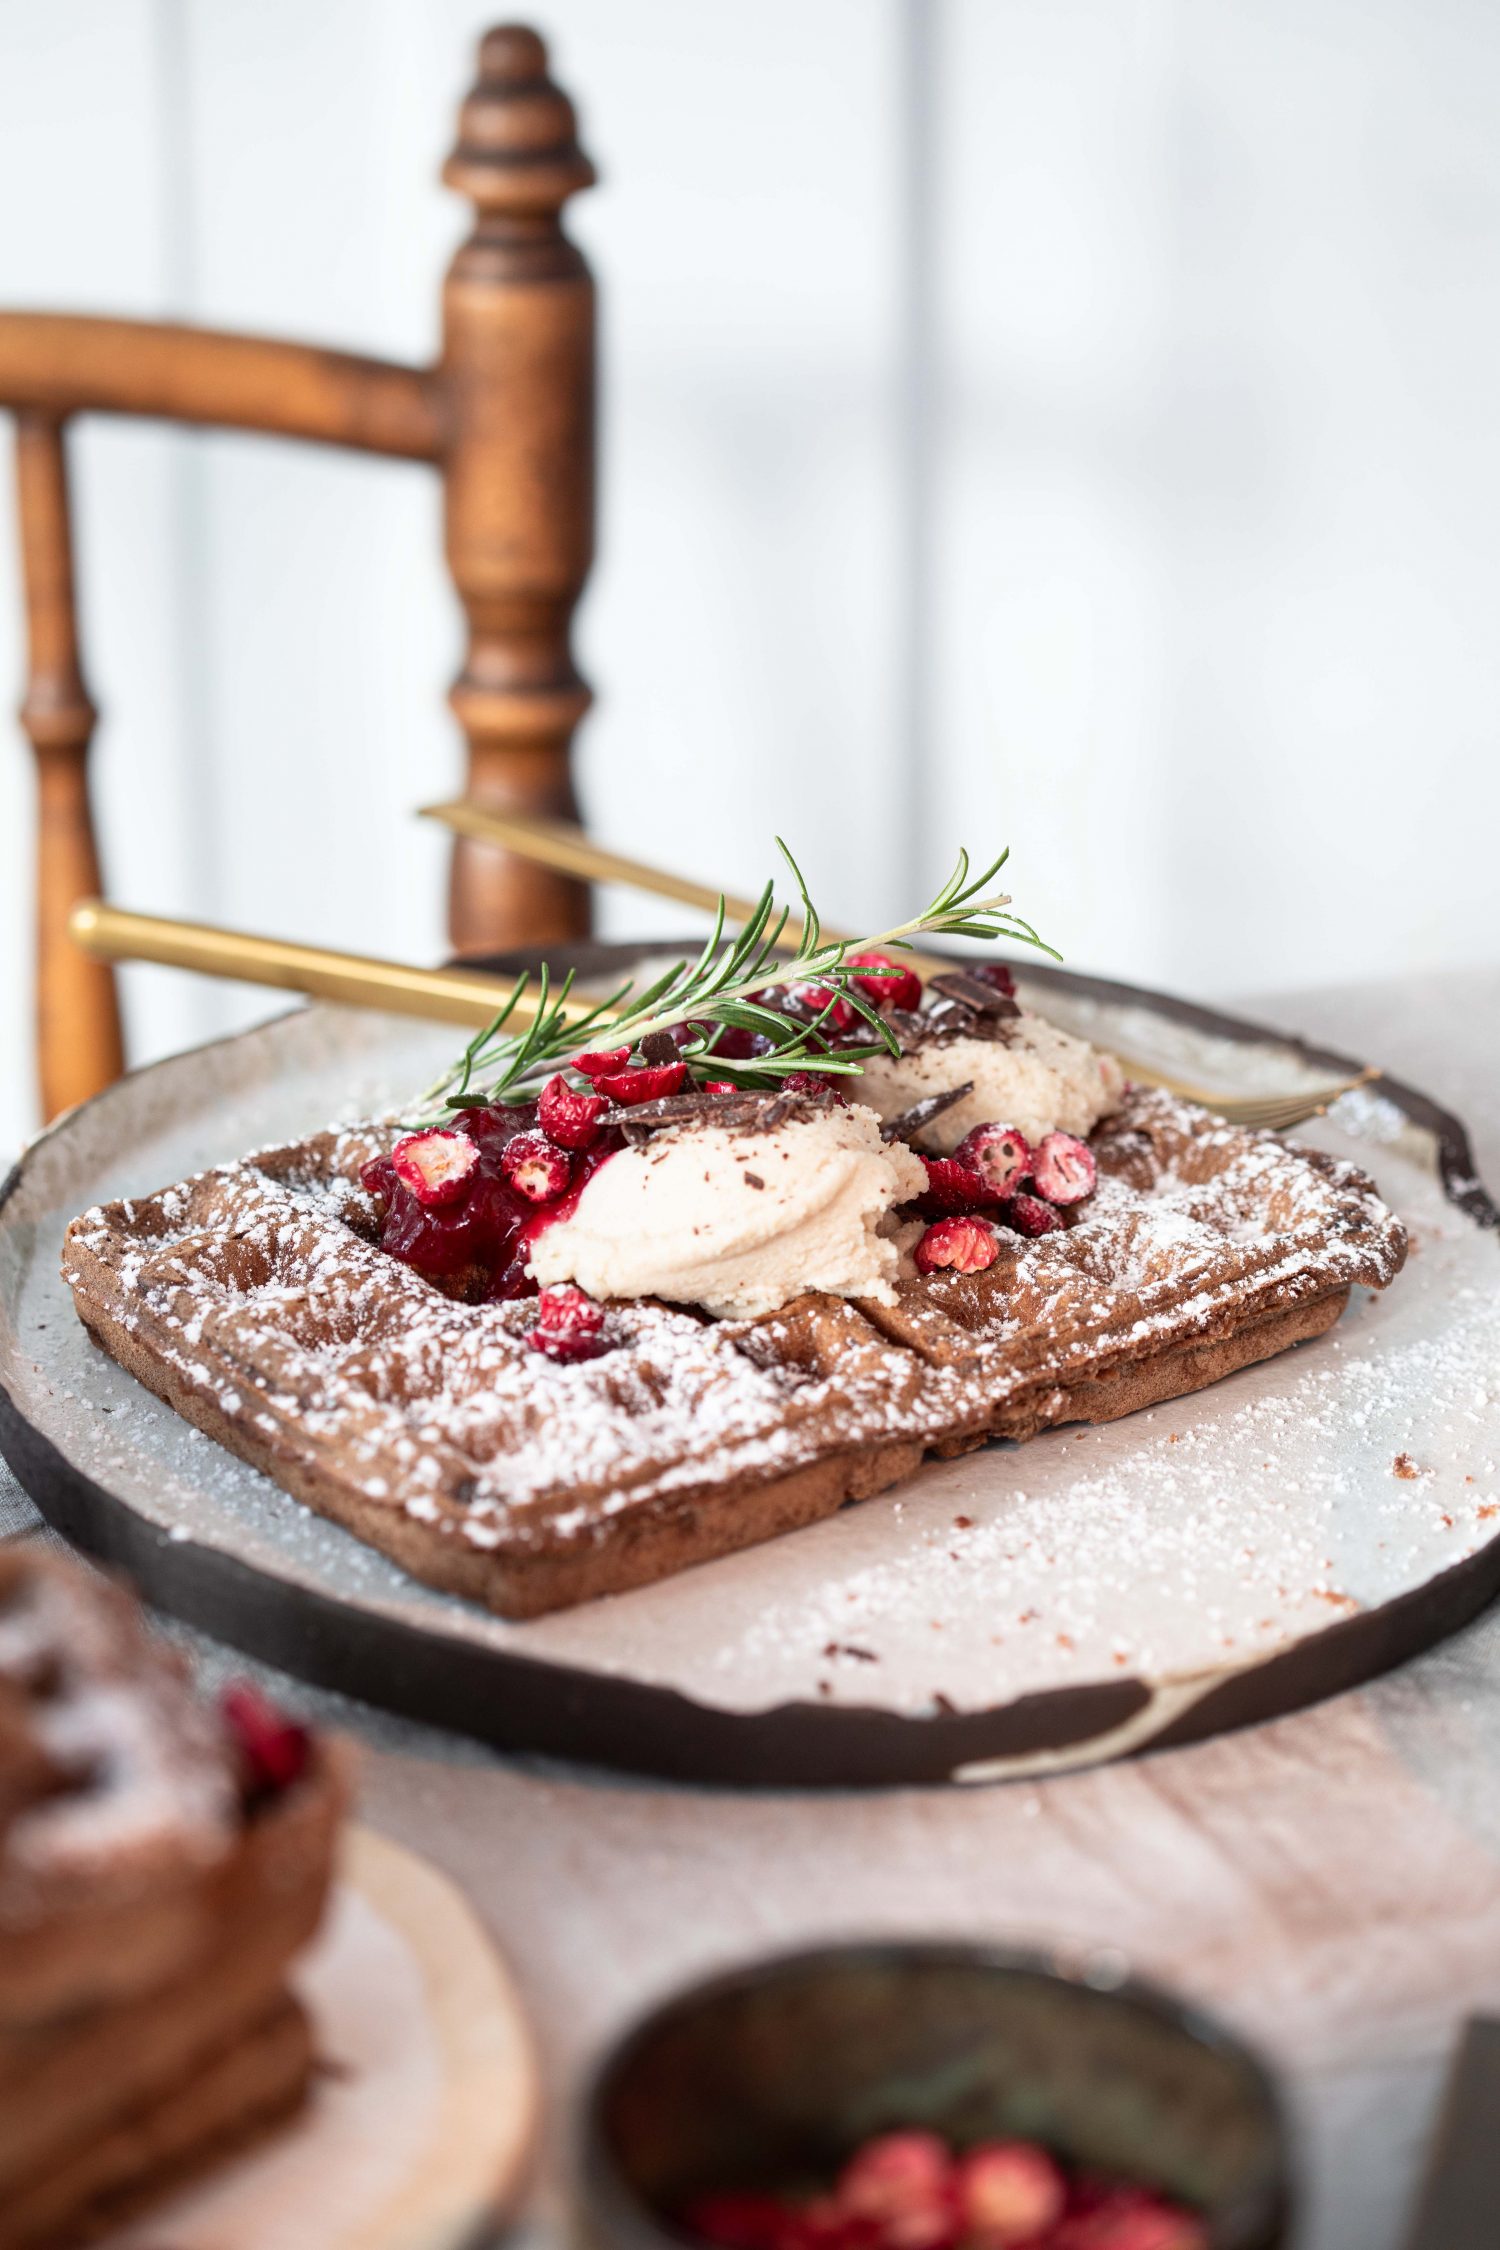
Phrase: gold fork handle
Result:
[355,980]
[561,844]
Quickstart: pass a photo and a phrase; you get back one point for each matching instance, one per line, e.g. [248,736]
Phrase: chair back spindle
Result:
[518,374]
[506,417]
[78,1016]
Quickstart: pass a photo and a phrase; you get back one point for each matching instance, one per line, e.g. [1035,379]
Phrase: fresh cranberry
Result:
[951,1187]
[601,1061]
[737,1044]
[904,2182]
[569,1326]
[903,990]
[958,1245]
[999,1153]
[1130,2219]
[812,1000]
[1008,2192]
[438,1167]
[738,2222]
[493,1126]
[995,973]
[568,1119]
[1028,1215]
[1063,1168]
[719,1086]
[273,1749]
[535,1168]
[827,2224]
[646,1082]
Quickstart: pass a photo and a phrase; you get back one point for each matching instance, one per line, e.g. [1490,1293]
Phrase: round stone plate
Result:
[1289,1532]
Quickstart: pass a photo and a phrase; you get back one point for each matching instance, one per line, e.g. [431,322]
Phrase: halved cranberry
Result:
[996,973]
[999,1153]
[599,1062]
[719,1086]
[1009,2192]
[952,1186]
[539,1219]
[438,1167]
[1029,1215]
[903,990]
[535,1168]
[647,1082]
[569,1119]
[1063,1168]
[569,1326]
[957,1245]
[273,1749]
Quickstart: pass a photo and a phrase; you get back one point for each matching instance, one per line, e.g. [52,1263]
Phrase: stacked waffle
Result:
[160,1865]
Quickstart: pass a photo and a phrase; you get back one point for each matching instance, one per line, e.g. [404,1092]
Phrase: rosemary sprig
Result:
[718,989]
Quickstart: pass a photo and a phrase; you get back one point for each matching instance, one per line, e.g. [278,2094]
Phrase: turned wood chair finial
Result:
[518,372]
[506,417]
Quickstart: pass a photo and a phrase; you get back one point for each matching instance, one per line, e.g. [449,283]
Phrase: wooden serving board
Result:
[421,2122]
[1238,1553]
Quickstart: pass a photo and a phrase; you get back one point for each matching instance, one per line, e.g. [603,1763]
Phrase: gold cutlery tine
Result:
[355,980]
[1276,1113]
[563,845]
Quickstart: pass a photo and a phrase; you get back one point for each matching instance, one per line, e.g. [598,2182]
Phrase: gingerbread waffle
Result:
[229,2098]
[255,1301]
[154,1889]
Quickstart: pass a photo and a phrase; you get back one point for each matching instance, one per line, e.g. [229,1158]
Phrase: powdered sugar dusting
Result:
[1187,1538]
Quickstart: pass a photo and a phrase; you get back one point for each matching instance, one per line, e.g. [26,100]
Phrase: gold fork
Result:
[562,845]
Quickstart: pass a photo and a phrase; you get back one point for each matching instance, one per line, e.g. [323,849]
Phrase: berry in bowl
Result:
[892,2096]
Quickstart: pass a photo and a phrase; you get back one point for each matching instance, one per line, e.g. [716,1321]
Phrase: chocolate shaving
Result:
[660,1047]
[762,1107]
[952,1018]
[957,984]
[923,1112]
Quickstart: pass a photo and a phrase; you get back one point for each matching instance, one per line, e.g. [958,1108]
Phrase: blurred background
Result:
[1062,422]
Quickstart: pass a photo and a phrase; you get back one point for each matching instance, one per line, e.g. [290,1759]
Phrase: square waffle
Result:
[255,1300]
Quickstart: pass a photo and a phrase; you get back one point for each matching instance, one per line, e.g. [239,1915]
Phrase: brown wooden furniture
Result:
[507,418]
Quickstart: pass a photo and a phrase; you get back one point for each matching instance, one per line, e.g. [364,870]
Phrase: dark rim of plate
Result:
[521,1703]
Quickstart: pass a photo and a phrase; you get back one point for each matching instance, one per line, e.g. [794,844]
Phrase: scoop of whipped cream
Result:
[740,1221]
[1039,1079]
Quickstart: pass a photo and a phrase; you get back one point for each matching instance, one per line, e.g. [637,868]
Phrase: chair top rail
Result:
[72,363]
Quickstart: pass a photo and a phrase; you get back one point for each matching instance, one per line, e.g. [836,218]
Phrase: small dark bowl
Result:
[771,2076]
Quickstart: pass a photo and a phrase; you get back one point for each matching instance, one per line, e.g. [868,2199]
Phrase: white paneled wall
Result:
[1068,421]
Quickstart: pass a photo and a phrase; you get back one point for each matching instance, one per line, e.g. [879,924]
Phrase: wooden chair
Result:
[506,417]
